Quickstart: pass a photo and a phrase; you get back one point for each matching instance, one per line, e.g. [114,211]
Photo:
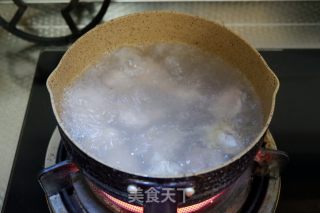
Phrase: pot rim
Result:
[234,158]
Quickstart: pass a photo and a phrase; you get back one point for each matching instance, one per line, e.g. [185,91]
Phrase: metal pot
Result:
[151,27]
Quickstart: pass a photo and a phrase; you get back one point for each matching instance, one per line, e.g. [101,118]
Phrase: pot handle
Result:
[57,177]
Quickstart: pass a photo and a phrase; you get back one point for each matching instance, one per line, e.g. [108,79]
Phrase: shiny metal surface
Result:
[274,24]
[56,204]
[274,185]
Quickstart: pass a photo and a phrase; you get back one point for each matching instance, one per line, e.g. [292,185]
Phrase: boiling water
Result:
[163,110]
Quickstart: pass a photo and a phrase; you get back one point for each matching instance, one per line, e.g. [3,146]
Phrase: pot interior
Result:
[152,27]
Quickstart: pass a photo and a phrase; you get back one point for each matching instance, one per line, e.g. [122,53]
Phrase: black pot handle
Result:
[57,177]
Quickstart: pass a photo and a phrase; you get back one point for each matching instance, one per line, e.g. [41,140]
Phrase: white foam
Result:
[163,110]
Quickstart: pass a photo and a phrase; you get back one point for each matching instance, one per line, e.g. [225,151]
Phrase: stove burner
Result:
[247,194]
[117,204]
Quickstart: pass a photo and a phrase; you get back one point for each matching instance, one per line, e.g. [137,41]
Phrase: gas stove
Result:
[248,194]
[40,146]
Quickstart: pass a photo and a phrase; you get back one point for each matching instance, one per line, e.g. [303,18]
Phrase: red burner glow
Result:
[201,205]
[138,209]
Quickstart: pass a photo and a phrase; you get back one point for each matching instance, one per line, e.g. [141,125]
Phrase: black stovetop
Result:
[295,127]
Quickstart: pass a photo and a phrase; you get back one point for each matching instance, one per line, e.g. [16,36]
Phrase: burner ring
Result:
[268,189]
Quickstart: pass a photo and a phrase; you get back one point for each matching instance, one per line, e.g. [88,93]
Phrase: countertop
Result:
[266,25]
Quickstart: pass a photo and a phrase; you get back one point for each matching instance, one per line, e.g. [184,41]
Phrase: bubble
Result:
[161,110]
